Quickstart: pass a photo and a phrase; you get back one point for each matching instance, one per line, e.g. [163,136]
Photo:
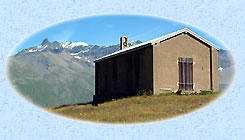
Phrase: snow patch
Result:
[39,48]
[74,53]
[132,43]
[87,59]
[70,45]
[77,57]
[43,48]
[220,69]
[84,51]
[32,51]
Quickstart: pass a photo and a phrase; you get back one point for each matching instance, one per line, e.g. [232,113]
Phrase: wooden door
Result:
[185,73]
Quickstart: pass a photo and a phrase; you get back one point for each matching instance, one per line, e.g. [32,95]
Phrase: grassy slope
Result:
[137,109]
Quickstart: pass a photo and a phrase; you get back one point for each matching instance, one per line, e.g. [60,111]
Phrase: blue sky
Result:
[106,30]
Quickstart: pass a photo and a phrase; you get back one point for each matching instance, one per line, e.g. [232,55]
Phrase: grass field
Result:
[137,109]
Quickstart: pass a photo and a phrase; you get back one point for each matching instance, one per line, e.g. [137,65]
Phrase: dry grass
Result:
[137,109]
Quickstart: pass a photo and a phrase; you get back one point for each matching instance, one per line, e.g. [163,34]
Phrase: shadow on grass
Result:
[61,106]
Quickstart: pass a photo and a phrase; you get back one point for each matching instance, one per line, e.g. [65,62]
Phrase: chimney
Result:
[123,42]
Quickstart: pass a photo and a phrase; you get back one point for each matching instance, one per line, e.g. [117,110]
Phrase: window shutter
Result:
[185,73]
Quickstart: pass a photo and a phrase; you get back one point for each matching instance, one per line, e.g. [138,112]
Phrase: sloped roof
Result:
[156,40]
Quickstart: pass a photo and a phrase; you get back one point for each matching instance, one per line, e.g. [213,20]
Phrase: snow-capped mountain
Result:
[81,51]
[56,45]
[134,42]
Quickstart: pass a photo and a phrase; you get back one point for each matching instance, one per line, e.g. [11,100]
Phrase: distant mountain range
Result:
[55,73]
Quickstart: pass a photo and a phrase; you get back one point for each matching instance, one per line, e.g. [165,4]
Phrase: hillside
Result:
[51,79]
[136,109]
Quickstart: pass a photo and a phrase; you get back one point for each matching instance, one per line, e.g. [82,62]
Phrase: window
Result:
[185,73]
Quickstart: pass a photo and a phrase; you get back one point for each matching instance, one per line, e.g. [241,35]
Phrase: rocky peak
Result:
[45,42]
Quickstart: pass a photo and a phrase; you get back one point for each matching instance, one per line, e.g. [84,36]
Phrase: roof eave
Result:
[136,47]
